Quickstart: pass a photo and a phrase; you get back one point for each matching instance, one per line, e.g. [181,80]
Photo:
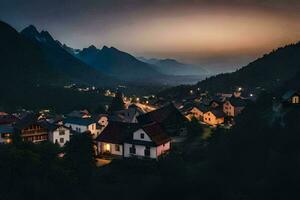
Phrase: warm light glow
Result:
[107,147]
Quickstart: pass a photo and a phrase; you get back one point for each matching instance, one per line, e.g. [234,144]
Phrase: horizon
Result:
[215,36]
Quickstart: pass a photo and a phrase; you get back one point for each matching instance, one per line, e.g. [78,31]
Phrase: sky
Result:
[218,35]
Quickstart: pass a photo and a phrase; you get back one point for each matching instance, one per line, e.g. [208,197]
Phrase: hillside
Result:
[29,81]
[267,72]
[63,62]
[22,62]
[116,63]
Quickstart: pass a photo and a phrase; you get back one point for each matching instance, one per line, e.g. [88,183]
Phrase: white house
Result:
[59,135]
[111,140]
[131,140]
[82,125]
[149,141]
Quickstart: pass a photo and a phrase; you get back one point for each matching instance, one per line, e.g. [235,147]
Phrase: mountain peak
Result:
[105,47]
[30,30]
[92,47]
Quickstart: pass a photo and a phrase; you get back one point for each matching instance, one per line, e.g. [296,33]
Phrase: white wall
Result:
[60,136]
[137,135]
[81,128]
[155,152]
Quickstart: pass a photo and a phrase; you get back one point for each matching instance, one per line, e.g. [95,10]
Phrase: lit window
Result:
[107,147]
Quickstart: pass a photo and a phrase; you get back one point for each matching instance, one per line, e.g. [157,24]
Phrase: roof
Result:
[117,132]
[156,133]
[50,126]
[289,94]
[8,119]
[218,113]
[237,102]
[79,121]
[6,128]
[27,121]
[160,115]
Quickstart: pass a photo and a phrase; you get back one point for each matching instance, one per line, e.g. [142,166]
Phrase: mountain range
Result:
[173,67]
[116,63]
[62,61]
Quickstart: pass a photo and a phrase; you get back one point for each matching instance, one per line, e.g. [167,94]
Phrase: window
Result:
[132,150]
[61,140]
[147,151]
[61,132]
[142,135]
[117,147]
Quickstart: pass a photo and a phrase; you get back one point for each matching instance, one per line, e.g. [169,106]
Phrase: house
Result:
[291,97]
[58,134]
[102,120]
[168,117]
[6,132]
[133,140]
[149,141]
[111,140]
[82,125]
[195,111]
[30,129]
[234,106]
[214,117]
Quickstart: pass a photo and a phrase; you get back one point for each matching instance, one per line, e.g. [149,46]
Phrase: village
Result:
[139,127]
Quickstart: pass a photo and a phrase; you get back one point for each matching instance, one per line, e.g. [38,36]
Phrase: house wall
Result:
[163,148]
[103,121]
[137,135]
[295,99]
[197,113]
[155,152]
[139,151]
[102,148]
[93,129]
[228,109]
[60,133]
[82,128]
[210,118]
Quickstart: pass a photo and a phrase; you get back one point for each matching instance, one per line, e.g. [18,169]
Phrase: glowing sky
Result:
[220,35]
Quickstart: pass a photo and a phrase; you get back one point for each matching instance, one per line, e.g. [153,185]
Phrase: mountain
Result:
[116,63]
[265,73]
[173,67]
[62,61]
[22,62]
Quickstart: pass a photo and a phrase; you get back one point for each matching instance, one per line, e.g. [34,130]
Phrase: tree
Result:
[80,158]
[117,103]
